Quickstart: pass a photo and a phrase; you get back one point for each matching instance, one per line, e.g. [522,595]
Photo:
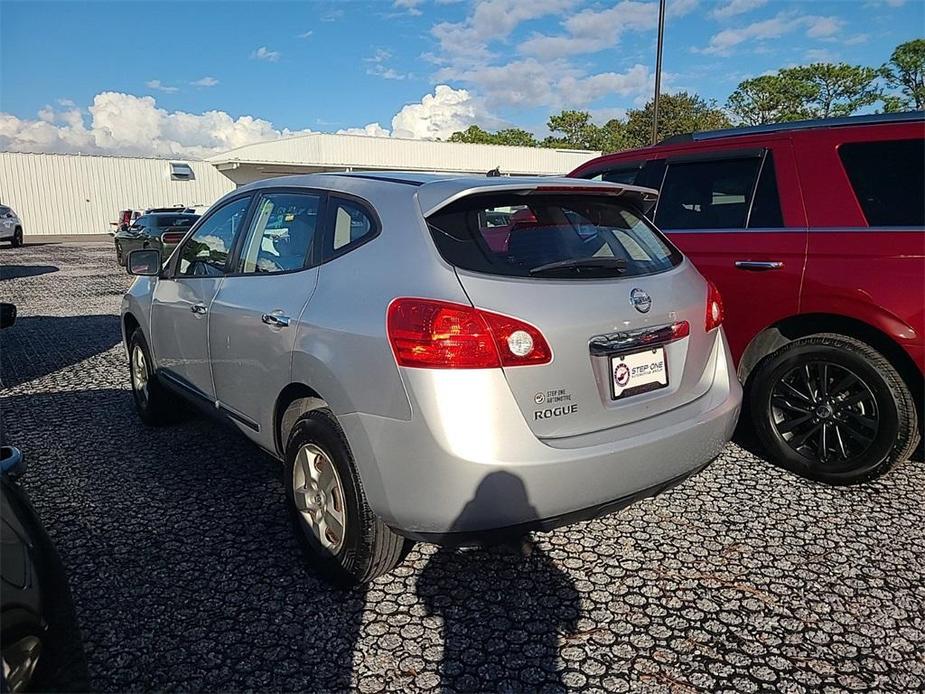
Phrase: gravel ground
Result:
[185,574]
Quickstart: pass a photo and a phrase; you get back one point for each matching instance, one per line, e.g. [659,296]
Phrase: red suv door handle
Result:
[759,265]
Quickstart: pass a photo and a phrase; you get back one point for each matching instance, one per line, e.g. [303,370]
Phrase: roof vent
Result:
[181,171]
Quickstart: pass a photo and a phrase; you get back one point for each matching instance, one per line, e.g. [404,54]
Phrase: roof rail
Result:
[871,119]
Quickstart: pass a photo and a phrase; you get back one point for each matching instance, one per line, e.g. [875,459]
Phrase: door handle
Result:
[275,319]
[759,265]
[199,309]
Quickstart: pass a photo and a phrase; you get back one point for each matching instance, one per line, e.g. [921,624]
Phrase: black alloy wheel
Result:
[832,408]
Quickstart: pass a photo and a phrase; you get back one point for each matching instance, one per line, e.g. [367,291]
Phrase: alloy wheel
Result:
[140,374]
[826,413]
[319,497]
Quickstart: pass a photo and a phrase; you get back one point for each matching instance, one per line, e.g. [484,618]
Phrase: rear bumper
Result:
[466,463]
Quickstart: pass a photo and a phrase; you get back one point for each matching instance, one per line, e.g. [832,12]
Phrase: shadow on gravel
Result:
[504,608]
[38,345]
[180,554]
[12,272]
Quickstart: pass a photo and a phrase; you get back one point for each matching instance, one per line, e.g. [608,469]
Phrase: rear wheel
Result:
[17,237]
[832,408]
[341,536]
[155,404]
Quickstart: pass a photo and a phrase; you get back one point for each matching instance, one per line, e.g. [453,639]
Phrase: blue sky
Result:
[330,65]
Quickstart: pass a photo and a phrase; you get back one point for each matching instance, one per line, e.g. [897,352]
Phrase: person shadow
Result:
[504,606]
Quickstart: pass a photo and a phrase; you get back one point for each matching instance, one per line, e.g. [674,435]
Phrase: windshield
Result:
[564,236]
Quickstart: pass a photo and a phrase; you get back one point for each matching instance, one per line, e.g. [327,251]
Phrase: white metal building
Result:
[78,194]
[82,194]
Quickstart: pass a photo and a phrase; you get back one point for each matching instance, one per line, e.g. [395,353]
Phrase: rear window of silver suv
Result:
[550,235]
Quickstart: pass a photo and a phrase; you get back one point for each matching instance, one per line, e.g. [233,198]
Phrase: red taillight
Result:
[716,313]
[442,335]
[172,237]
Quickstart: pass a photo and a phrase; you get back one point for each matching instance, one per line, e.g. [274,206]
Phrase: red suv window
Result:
[888,180]
[720,194]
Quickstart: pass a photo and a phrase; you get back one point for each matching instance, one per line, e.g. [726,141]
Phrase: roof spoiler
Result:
[643,198]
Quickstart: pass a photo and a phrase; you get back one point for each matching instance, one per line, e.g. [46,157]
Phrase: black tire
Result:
[834,409]
[156,406]
[17,238]
[369,548]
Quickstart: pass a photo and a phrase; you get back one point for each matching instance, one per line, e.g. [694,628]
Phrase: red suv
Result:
[814,233]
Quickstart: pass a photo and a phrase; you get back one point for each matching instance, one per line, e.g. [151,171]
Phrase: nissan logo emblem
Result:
[640,300]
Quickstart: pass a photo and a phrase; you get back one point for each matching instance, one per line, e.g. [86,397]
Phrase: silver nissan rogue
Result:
[443,358]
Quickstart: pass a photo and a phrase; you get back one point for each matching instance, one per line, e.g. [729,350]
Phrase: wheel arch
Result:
[129,325]
[284,415]
[776,336]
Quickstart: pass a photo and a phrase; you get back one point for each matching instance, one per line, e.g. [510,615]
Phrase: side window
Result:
[707,194]
[620,173]
[351,225]
[206,252]
[140,222]
[280,237]
[888,180]
[766,212]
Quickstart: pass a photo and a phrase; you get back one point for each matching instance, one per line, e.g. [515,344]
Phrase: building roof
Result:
[340,152]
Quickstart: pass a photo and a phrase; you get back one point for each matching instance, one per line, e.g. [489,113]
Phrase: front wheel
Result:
[156,406]
[832,408]
[17,238]
[341,536]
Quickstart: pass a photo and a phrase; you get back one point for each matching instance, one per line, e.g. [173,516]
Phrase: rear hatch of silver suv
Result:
[622,311]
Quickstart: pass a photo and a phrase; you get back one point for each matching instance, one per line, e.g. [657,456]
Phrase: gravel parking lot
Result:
[185,573]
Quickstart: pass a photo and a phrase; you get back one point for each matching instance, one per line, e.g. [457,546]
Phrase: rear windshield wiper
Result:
[578,264]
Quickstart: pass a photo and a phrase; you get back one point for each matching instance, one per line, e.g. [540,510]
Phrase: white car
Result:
[10,226]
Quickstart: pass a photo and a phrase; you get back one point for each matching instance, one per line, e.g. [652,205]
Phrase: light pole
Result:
[658,69]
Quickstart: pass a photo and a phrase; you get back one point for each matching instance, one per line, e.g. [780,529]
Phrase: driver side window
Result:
[206,252]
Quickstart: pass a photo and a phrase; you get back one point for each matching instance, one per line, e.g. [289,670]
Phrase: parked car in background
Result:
[410,374]
[40,645]
[10,226]
[161,230]
[814,232]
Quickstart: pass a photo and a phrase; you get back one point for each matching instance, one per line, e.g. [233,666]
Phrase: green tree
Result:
[906,73]
[769,99]
[472,135]
[837,89]
[515,136]
[509,136]
[677,114]
[576,131]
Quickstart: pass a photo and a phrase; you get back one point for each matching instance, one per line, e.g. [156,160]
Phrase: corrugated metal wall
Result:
[74,194]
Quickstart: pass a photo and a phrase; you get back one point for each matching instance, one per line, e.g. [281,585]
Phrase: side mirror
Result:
[7,315]
[145,263]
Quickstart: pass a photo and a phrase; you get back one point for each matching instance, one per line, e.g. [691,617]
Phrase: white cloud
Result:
[736,7]
[125,124]
[409,6]
[377,66]
[206,81]
[438,115]
[305,34]
[264,53]
[161,87]
[783,23]
[491,20]
[132,125]
[592,30]
[543,76]
[369,130]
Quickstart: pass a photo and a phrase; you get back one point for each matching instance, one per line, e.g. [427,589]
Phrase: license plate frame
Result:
[646,370]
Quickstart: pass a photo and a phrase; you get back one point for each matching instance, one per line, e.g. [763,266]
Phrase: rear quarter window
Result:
[562,236]
[888,178]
